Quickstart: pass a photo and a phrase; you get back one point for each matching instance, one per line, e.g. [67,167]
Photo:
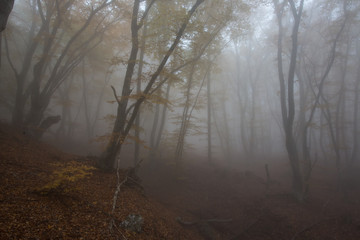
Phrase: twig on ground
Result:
[116,194]
[120,232]
[130,174]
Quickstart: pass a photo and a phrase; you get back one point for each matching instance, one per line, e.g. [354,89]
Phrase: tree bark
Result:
[138,92]
[318,95]
[288,107]
[6,7]
[155,148]
[122,126]
[41,88]
[185,118]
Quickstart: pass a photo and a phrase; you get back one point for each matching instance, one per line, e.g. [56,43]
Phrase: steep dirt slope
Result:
[70,210]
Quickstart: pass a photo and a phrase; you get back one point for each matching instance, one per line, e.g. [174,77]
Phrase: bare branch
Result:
[161,65]
[193,60]
[141,23]
[41,13]
[8,56]
[115,94]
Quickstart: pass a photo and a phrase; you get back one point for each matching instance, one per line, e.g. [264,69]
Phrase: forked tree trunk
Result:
[123,123]
[287,95]
[48,75]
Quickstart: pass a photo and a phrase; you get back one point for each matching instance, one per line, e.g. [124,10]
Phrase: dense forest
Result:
[189,97]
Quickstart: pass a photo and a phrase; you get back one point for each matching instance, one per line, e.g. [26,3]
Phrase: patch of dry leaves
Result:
[80,212]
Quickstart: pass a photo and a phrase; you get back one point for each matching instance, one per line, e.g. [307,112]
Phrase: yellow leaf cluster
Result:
[61,178]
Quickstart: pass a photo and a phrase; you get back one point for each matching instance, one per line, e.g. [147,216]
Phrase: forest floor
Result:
[40,200]
[258,209]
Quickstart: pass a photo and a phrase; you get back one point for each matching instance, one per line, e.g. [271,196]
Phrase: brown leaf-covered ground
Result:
[81,210]
[216,203]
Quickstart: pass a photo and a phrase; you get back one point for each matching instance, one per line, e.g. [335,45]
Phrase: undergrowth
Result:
[62,179]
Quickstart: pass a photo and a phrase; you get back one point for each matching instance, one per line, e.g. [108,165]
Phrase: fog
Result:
[228,84]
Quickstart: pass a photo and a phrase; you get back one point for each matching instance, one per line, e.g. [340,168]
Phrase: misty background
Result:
[217,99]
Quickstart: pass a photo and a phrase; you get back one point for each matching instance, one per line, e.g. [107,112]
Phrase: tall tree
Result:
[355,147]
[287,95]
[138,91]
[126,115]
[209,115]
[53,50]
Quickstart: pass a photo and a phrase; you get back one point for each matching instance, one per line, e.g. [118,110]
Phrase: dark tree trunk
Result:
[48,75]
[46,124]
[287,95]
[6,7]
[123,124]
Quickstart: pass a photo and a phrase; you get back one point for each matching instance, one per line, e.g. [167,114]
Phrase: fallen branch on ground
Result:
[130,174]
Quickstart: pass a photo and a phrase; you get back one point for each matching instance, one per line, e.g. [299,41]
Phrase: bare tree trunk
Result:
[6,7]
[253,79]
[288,108]
[334,143]
[302,109]
[355,146]
[65,107]
[208,92]
[185,118]
[23,92]
[323,137]
[1,37]
[155,149]
[153,134]
[118,137]
[227,146]
[123,125]
[318,95]
[89,128]
[340,121]
[48,75]
[243,101]
[187,113]
[223,135]
[138,92]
